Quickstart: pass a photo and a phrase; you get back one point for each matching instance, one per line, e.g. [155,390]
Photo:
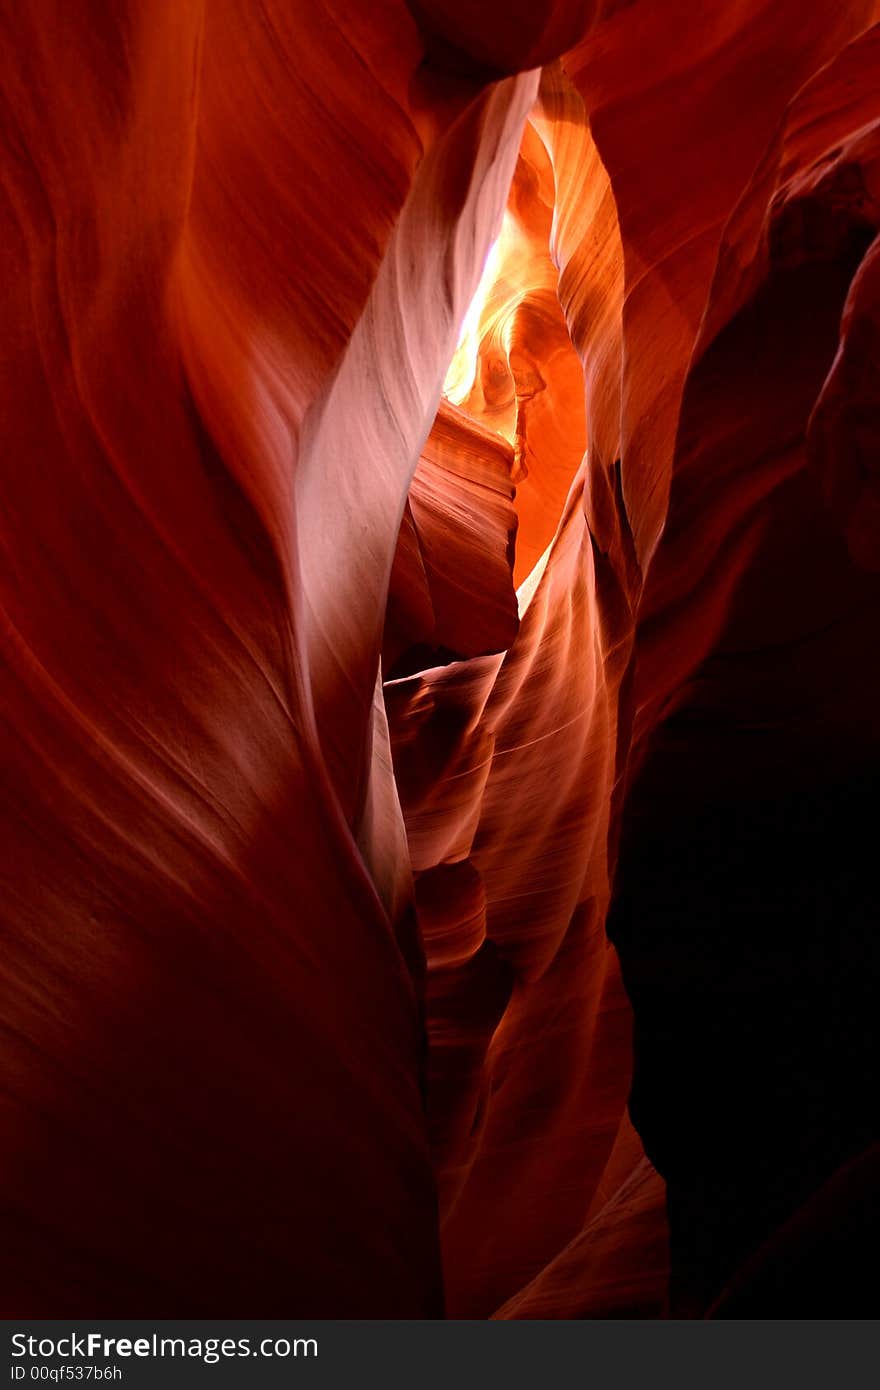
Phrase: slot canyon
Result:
[441,581]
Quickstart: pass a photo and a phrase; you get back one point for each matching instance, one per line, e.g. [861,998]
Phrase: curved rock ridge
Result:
[451,590]
[438,867]
[478,748]
[515,369]
[211,956]
[726,764]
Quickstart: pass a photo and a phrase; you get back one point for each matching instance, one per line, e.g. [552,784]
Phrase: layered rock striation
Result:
[440,590]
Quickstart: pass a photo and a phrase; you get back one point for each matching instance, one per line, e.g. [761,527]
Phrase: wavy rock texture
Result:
[516,370]
[378,765]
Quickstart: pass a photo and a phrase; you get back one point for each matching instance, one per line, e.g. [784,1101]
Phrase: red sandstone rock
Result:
[295,777]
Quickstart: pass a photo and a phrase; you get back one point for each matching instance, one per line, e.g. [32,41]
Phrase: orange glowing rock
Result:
[515,369]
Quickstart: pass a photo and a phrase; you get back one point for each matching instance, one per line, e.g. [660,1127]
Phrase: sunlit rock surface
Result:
[440,581]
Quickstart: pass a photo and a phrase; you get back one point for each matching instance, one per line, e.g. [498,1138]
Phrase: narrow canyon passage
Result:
[441,541]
